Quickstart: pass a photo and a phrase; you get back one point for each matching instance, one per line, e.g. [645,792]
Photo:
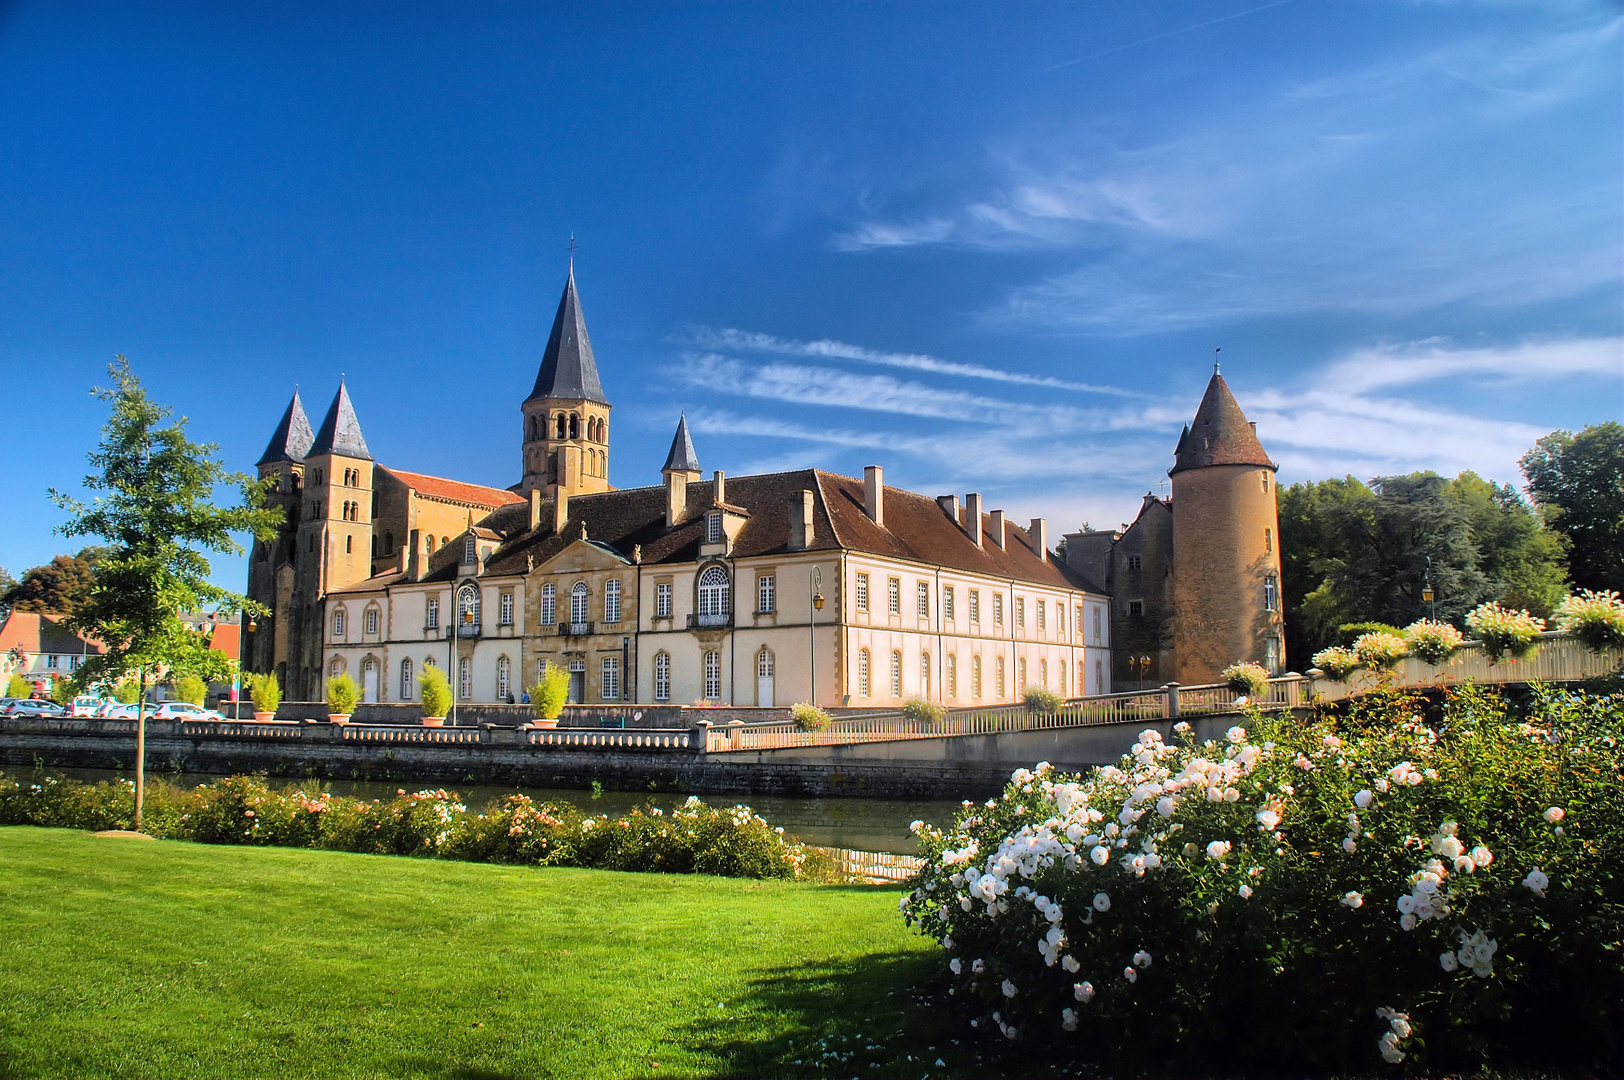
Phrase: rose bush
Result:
[1303,897]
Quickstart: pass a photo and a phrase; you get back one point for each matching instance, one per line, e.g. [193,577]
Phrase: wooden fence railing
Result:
[879,867]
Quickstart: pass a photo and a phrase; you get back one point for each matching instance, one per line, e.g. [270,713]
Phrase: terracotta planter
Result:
[546,723]
[263,717]
[338,718]
[433,721]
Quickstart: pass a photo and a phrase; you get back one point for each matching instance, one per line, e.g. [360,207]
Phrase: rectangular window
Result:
[662,676]
[1099,676]
[952,676]
[862,673]
[862,592]
[766,588]
[611,678]
[611,601]
[1135,564]
[468,551]
[504,679]
[504,610]
[713,529]
[713,676]
[50,661]
[896,674]
[549,605]
[465,679]
[662,600]
[1272,659]
[893,595]
[372,621]
[947,603]
[1265,481]
[1042,615]
[999,671]
[998,609]
[975,607]
[1271,594]
[1097,639]
[1136,609]
[924,599]
[975,677]
[1020,612]
[1064,689]
[1268,541]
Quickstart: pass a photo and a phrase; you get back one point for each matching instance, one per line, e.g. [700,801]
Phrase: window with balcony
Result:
[766,593]
[714,605]
[611,601]
[468,611]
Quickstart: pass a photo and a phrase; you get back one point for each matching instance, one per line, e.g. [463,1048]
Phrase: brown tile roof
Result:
[455,490]
[227,638]
[38,633]
[1219,435]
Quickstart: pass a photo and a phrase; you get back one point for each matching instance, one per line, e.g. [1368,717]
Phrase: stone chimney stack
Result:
[995,528]
[874,494]
[418,558]
[535,508]
[800,520]
[719,479]
[561,509]
[676,498]
[1039,532]
[950,507]
[972,517]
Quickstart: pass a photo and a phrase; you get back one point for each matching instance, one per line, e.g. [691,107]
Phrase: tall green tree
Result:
[57,588]
[154,507]
[7,583]
[1578,480]
[1525,562]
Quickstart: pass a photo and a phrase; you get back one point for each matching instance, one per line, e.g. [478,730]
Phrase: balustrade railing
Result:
[633,739]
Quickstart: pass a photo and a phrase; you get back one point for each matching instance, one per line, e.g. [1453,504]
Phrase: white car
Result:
[115,710]
[184,710]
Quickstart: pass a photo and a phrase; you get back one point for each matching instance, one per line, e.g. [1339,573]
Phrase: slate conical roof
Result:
[340,431]
[1219,434]
[567,367]
[292,439]
[682,457]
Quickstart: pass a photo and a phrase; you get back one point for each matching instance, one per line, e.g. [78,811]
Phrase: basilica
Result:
[755,590]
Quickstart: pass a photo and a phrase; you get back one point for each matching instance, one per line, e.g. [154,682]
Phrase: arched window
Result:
[431,542]
[1065,689]
[924,675]
[338,624]
[504,678]
[388,543]
[662,676]
[406,687]
[349,545]
[952,677]
[558,425]
[369,679]
[465,678]
[1020,675]
[578,602]
[336,668]
[975,676]
[575,426]
[1043,674]
[713,675]
[371,620]
[714,604]
[998,672]
[862,673]
[764,664]
[896,674]
[467,609]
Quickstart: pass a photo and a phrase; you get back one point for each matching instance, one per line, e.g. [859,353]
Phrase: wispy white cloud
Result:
[731,340]
[1410,363]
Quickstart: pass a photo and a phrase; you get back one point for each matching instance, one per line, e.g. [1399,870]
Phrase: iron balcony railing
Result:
[710,622]
[574,629]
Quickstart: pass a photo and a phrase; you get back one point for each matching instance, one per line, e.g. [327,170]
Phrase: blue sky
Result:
[991,248]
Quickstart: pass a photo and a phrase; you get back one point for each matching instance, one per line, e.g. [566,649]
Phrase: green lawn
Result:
[133,958]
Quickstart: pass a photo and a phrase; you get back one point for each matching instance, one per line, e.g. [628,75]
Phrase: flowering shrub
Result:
[1432,642]
[921,711]
[1246,678]
[1379,651]
[1040,699]
[693,838]
[1337,663]
[1595,618]
[1373,886]
[1504,632]
[808,717]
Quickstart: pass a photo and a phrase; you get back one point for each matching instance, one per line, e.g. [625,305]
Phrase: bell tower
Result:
[566,417]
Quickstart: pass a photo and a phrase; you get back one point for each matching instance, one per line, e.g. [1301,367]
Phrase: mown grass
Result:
[134,958]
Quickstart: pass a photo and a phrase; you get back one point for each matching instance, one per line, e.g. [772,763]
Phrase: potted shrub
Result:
[435,693]
[267,695]
[1504,632]
[342,694]
[1432,642]
[1247,678]
[1040,699]
[921,711]
[1595,618]
[1379,650]
[548,696]
[1337,663]
[191,688]
[808,717]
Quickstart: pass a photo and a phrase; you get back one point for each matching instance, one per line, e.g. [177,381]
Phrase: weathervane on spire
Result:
[572,251]
[1215,361]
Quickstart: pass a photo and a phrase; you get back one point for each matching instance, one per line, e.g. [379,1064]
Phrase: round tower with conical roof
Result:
[1226,544]
[566,416]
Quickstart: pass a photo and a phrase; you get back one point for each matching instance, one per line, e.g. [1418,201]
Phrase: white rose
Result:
[1354,900]
[1130,974]
[1447,961]
[1083,991]
[1348,845]
[954,966]
[1482,855]
[1101,855]
[1071,965]
[1363,799]
[1102,902]
[1141,959]
[1245,892]
[1555,814]
[1218,849]
[1449,847]
[1009,989]
[1068,1019]
[1236,734]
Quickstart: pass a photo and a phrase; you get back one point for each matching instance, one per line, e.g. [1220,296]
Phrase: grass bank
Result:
[136,958]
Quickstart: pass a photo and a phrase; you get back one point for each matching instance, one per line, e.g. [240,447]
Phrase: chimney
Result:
[719,480]
[401,562]
[418,561]
[1039,532]
[950,507]
[874,494]
[800,520]
[535,508]
[561,509]
[676,498]
[972,515]
[995,529]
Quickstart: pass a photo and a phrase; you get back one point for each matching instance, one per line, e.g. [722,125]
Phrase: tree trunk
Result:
[140,750]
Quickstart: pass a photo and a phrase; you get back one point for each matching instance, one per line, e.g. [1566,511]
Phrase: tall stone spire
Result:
[568,370]
[292,439]
[340,431]
[682,457]
[1219,435]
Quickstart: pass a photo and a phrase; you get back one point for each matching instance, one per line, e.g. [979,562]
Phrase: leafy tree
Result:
[155,509]
[1524,561]
[17,686]
[191,688]
[60,587]
[1578,480]
[7,583]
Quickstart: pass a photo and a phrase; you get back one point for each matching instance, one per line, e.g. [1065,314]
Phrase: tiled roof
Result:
[1219,435]
[454,490]
[38,633]
[227,638]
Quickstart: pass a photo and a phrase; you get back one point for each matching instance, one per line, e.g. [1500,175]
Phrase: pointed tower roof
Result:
[1219,435]
[682,457]
[292,439]
[567,367]
[340,431]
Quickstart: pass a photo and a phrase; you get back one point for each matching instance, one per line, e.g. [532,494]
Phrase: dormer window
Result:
[470,552]
[713,528]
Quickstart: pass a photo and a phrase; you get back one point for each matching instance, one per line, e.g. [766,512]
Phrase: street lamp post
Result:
[1141,664]
[811,630]
[1427,595]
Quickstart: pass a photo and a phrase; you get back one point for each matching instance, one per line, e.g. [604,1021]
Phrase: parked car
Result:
[117,710]
[35,707]
[184,710]
[86,705]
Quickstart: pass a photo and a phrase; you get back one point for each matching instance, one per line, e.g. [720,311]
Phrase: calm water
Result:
[862,824]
